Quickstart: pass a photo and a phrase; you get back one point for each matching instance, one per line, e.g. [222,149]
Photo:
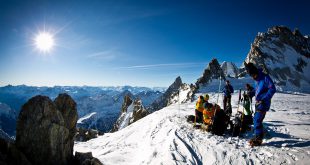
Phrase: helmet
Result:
[206,97]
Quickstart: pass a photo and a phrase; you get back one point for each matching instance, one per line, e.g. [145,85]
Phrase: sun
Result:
[44,41]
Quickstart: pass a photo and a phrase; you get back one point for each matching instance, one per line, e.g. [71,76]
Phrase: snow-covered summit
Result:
[285,55]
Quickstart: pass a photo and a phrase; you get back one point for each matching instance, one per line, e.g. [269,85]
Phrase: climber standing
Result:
[227,90]
[247,98]
[264,91]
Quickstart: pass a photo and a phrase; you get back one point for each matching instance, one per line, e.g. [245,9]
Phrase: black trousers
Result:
[199,116]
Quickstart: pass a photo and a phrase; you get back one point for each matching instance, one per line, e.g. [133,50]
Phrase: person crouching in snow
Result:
[264,91]
[208,114]
[199,108]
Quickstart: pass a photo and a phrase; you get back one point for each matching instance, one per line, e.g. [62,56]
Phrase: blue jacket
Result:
[228,90]
[265,89]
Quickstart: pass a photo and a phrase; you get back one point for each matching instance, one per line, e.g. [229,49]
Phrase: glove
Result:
[259,102]
[259,105]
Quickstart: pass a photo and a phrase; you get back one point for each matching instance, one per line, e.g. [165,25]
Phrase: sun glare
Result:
[44,42]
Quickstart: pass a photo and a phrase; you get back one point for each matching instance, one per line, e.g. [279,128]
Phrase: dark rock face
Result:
[138,112]
[10,155]
[45,133]
[86,159]
[67,106]
[127,102]
[285,55]
[213,71]
[86,134]
[164,100]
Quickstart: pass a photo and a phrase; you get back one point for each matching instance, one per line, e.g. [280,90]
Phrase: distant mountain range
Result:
[106,102]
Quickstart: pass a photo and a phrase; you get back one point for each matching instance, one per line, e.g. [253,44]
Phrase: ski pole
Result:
[218,96]
[251,105]
[239,99]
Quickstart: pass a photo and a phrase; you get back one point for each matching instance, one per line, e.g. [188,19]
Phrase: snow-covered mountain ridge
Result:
[280,52]
[164,137]
[285,55]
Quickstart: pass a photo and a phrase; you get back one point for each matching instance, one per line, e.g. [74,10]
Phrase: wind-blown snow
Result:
[164,137]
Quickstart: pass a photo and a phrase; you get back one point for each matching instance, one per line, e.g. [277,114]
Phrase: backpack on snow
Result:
[240,125]
[220,123]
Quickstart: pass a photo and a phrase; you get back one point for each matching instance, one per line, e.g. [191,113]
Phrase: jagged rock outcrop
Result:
[138,111]
[127,102]
[86,134]
[131,111]
[45,133]
[285,55]
[230,69]
[86,159]
[185,94]
[164,100]
[213,71]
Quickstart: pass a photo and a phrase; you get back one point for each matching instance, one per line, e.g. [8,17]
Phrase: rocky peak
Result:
[131,112]
[285,55]
[127,102]
[213,71]
[164,100]
[230,69]
[139,111]
[176,84]
[120,96]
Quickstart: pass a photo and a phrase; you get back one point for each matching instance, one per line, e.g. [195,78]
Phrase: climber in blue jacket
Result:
[264,91]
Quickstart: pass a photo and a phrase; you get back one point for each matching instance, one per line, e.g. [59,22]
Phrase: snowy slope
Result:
[164,137]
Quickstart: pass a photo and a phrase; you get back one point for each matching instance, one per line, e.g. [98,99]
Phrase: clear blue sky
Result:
[138,43]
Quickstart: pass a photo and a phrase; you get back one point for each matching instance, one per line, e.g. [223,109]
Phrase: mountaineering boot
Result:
[256,141]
